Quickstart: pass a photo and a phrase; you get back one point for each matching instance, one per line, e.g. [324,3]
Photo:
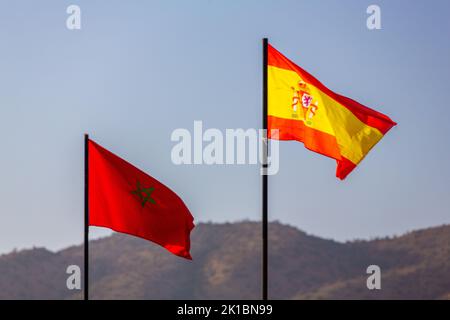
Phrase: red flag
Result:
[123,198]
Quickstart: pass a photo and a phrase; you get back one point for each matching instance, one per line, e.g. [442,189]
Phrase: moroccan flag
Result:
[125,199]
[303,109]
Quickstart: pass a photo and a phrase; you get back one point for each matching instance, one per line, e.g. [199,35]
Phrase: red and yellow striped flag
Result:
[303,109]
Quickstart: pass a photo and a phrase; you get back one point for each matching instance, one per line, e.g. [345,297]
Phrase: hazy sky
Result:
[137,70]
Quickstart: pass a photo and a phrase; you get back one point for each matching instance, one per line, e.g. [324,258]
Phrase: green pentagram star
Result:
[144,194]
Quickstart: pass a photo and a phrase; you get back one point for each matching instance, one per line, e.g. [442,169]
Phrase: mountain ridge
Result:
[226,265]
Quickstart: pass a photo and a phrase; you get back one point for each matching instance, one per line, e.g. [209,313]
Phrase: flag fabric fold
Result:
[125,199]
[303,109]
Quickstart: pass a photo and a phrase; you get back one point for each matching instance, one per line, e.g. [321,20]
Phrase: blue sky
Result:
[137,70]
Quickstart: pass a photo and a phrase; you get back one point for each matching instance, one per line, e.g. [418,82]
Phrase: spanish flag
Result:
[303,109]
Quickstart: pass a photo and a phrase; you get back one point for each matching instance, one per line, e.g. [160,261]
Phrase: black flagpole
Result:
[264,177]
[86,217]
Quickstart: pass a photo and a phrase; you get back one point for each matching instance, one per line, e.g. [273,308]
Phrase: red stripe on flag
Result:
[313,139]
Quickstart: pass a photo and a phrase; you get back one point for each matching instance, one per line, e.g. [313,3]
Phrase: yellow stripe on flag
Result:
[285,93]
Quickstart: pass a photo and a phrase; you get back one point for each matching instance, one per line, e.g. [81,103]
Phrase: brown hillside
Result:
[226,265]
